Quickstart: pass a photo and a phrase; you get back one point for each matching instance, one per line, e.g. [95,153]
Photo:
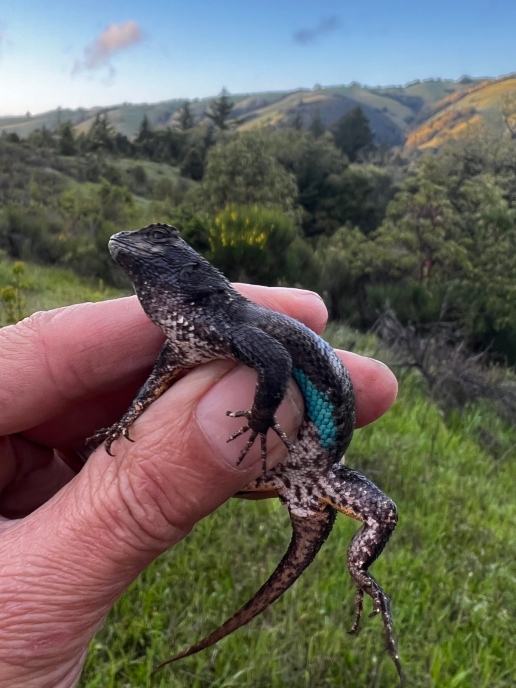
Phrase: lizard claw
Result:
[108,436]
[279,432]
[254,434]
[359,605]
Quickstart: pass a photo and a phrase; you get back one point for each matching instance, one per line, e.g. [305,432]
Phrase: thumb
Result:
[68,562]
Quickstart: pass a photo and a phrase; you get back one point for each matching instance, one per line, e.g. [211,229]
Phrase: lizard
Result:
[204,318]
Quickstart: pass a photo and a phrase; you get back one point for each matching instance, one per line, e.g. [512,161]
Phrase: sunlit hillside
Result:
[458,113]
[392,111]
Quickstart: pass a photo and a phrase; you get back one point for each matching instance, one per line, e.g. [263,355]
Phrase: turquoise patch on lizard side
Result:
[318,408]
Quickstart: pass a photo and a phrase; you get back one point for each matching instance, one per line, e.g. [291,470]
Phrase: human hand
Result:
[71,544]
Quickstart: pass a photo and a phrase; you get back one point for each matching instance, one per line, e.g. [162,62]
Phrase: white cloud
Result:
[113,39]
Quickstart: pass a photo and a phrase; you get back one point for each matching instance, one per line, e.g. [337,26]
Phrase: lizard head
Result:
[157,259]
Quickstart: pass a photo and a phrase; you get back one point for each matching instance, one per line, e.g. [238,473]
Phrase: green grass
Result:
[449,570]
[53,287]
[153,170]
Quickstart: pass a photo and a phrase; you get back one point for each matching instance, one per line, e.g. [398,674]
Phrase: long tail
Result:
[308,535]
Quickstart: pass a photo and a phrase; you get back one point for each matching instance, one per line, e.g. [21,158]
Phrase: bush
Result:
[251,243]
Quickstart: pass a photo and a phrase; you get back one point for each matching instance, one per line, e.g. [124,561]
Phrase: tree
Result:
[185,117]
[243,170]
[421,234]
[345,261]
[67,144]
[41,138]
[220,110]
[353,134]
[486,292]
[192,166]
[251,243]
[101,134]
[144,132]
[313,162]
[297,121]
[316,127]
[509,113]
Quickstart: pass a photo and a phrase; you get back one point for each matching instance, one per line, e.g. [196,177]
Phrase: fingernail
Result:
[384,365]
[235,392]
[303,295]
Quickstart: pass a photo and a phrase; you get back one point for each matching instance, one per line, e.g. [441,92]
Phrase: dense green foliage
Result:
[353,134]
[220,110]
[444,249]
[431,238]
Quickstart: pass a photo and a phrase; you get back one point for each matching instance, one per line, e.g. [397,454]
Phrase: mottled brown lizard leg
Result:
[354,495]
[162,377]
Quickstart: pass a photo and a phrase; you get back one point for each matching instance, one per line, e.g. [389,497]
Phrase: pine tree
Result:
[144,132]
[185,117]
[220,110]
[67,145]
[317,127]
[353,134]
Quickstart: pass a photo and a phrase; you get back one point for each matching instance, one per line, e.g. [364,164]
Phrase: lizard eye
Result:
[159,234]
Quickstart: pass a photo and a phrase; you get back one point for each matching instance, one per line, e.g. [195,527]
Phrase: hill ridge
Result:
[419,114]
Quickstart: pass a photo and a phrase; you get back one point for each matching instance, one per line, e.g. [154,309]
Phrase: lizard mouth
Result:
[126,243]
[114,247]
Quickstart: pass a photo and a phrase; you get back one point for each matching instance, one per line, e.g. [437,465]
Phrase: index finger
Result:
[54,359]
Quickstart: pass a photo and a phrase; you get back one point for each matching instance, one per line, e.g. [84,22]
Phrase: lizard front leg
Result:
[354,495]
[164,374]
[271,360]
[308,535]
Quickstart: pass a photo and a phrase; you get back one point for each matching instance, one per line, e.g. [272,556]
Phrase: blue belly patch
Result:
[318,408]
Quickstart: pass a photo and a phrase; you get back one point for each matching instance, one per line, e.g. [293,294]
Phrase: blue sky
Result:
[75,53]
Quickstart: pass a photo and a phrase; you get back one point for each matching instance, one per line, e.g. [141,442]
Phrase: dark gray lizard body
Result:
[204,318]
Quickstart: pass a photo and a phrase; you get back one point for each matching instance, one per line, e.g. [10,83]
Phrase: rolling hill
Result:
[421,115]
[458,113]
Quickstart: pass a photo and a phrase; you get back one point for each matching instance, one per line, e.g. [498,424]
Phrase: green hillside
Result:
[391,110]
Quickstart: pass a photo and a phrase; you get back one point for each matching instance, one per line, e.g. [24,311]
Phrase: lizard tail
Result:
[308,535]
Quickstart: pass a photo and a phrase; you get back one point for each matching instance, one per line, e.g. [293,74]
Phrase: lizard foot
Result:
[359,605]
[381,605]
[254,434]
[108,436]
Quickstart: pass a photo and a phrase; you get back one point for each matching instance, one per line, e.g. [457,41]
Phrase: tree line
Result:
[327,209]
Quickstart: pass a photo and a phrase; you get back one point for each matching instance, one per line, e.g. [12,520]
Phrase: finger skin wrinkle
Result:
[143,498]
[129,509]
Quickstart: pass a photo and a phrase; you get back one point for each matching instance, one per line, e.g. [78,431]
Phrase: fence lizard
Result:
[204,318]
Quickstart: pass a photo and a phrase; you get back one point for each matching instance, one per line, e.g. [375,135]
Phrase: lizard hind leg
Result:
[308,535]
[354,495]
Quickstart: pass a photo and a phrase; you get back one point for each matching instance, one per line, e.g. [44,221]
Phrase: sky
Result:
[60,53]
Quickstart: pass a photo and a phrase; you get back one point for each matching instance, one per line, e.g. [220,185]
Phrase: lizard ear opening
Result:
[189,271]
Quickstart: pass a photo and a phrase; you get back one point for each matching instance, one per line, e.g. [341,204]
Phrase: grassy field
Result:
[52,287]
[449,570]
